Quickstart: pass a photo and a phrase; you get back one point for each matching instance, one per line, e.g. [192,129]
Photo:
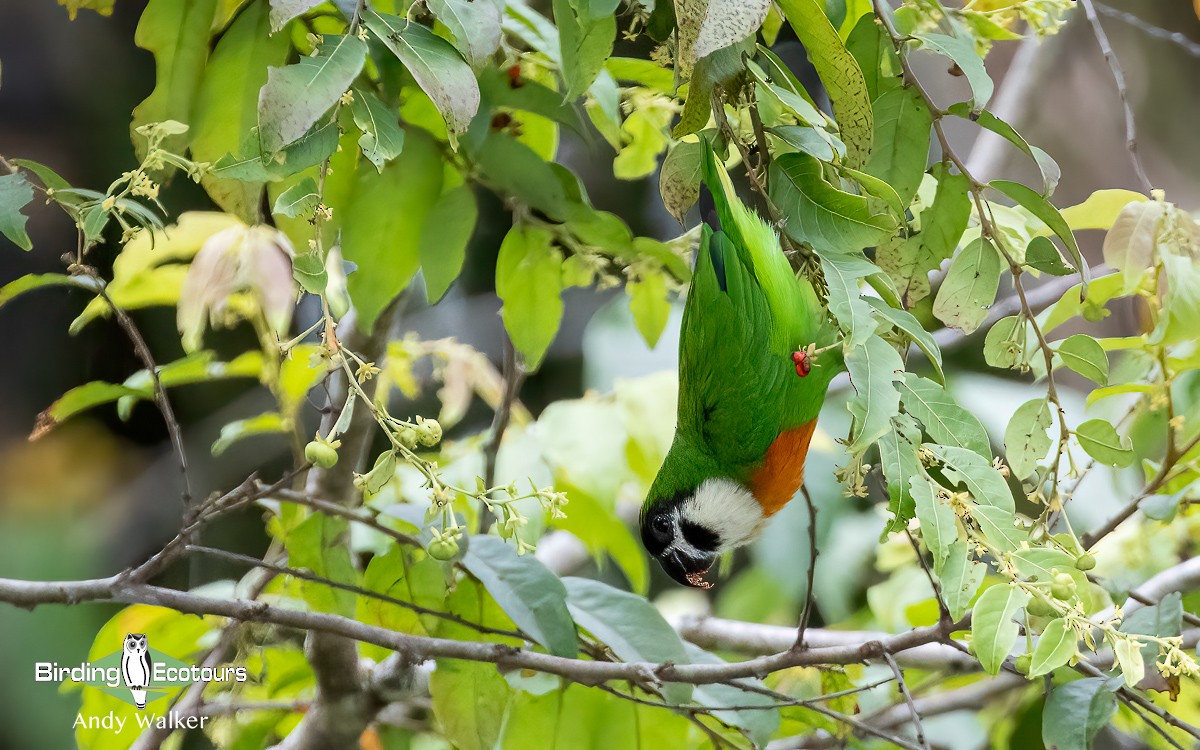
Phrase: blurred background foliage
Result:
[98,493]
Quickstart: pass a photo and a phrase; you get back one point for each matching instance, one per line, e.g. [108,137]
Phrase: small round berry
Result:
[321,454]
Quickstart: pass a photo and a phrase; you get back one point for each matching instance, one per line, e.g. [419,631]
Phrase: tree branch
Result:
[1118,75]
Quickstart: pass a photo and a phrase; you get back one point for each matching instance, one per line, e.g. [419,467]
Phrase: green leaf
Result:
[514,168]
[876,56]
[319,544]
[382,137]
[1055,647]
[1084,355]
[874,367]
[901,146]
[679,178]
[1037,205]
[269,423]
[474,24]
[444,239]
[1100,439]
[1009,343]
[226,105]
[727,22]
[975,471]
[839,72]
[48,176]
[526,590]
[1100,209]
[1046,165]
[997,525]
[295,96]
[383,222]
[33,281]
[79,399]
[469,700]
[283,11]
[814,142]
[1076,712]
[909,261]
[298,201]
[939,526]
[585,44]
[819,213]
[1129,246]
[530,96]
[970,286]
[1042,255]
[629,625]
[529,282]
[898,458]
[908,324]
[962,53]
[177,33]
[994,627]
[1025,439]
[649,304]
[944,420]
[102,7]
[15,194]
[853,313]
[256,167]
[960,579]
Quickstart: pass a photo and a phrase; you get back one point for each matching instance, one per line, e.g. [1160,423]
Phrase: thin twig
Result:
[1118,75]
[912,707]
[812,568]
[160,393]
[1175,37]
[513,377]
[303,575]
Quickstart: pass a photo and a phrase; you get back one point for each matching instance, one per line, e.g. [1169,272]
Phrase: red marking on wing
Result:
[782,471]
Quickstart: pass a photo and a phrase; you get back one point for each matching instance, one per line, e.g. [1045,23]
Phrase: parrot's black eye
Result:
[661,524]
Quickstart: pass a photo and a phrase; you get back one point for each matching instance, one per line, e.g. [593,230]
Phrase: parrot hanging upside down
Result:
[751,383]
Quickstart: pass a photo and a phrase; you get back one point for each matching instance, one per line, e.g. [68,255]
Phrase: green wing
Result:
[746,313]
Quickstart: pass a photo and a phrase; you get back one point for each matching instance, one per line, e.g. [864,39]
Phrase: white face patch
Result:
[727,509]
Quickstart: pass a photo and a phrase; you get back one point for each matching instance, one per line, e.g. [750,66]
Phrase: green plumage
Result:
[745,315]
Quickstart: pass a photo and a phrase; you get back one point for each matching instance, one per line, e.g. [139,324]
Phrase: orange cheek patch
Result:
[782,471]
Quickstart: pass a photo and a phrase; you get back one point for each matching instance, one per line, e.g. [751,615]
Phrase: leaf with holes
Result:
[295,96]
[1025,439]
[969,288]
[435,65]
[874,368]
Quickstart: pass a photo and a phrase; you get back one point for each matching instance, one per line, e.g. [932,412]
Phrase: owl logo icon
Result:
[136,667]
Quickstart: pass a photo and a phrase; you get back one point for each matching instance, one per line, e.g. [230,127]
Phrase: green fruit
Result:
[321,454]
[1085,562]
[1022,663]
[443,549]
[1063,587]
[429,432]
[407,437]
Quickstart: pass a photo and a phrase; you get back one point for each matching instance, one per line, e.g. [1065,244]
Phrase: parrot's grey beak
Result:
[688,569]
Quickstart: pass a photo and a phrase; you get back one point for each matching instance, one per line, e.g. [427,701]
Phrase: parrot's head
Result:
[687,530]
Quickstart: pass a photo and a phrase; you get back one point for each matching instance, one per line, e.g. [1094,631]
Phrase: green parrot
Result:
[751,384]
